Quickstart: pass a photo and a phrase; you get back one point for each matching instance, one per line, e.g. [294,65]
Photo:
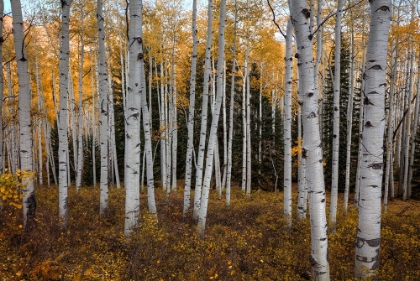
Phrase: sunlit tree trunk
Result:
[132,139]
[287,135]
[93,124]
[25,136]
[311,148]
[231,107]
[104,112]
[215,121]
[336,118]
[63,115]
[368,234]
[204,109]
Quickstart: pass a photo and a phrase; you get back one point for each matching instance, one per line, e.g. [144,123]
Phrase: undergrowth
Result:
[246,241]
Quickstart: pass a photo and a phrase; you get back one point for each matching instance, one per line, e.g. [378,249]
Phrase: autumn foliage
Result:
[246,241]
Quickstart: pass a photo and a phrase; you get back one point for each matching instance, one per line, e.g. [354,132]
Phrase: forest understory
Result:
[246,241]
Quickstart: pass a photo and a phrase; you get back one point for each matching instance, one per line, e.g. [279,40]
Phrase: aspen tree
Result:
[25,136]
[287,135]
[132,119]
[349,121]
[214,124]
[413,136]
[63,115]
[204,109]
[232,103]
[104,111]
[368,234]
[336,120]
[311,146]
[79,168]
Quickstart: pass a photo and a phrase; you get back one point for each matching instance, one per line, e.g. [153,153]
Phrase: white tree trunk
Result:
[215,121]
[232,103]
[204,109]
[148,143]
[63,115]
[79,167]
[311,148]
[248,122]
[413,136]
[191,112]
[93,125]
[25,136]
[369,226]
[104,112]
[287,134]
[132,140]
[336,118]
[349,123]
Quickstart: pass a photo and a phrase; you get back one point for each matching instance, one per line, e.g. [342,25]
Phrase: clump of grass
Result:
[246,241]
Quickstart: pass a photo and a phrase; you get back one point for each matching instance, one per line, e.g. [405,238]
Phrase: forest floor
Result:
[246,241]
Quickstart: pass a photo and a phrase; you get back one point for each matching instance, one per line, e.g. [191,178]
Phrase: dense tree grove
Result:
[314,98]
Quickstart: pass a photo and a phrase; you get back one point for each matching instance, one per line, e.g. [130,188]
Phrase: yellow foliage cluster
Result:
[11,187]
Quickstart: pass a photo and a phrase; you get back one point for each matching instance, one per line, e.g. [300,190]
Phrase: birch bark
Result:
[25,122]
[287,136]
[336,118]
[369,226]
[63,115]
[191,112]
[215,120]
[132,139]
[311,148]
[104,111]
[204,109]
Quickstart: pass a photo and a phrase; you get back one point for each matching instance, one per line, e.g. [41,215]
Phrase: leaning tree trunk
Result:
[287,136]
[204,109]
[25,136]
[104,112]
[311,148]
[368,235]
[215,121]
[132,117]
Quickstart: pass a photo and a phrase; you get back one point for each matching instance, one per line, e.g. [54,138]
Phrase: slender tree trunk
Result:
[191,114]
[132,140]
[349,122]
[204,109]
[104,112]
[369,226]
[232,103]
[311,148]
[93,125]
[336,120]
[248,122]
[80,91]
[215,121]
[287,135]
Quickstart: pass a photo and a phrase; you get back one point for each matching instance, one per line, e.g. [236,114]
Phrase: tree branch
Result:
[274,19]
